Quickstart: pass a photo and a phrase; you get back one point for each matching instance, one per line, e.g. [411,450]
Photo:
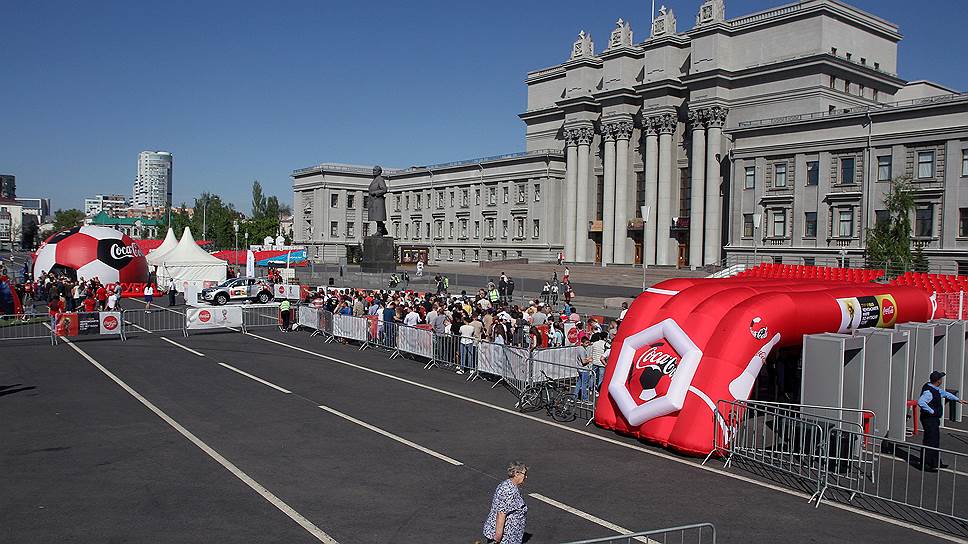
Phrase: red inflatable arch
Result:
[687,343]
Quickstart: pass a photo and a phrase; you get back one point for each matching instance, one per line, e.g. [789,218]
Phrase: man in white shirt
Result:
[539,317]
[625,309]
[468,353]
[412,318]
[112,302]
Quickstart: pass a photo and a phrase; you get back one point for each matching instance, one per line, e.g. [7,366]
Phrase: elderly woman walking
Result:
[506,520]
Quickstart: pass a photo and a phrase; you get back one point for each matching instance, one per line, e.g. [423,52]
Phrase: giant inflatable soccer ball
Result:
[92,252]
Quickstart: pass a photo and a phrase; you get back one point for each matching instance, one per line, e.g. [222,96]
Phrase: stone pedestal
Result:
[379,254]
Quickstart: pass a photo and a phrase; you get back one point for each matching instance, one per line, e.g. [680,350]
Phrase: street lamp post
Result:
[645,261]
[235,227]
[756,226]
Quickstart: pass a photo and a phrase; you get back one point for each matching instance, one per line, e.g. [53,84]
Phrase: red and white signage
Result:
[214,318]
[110,322]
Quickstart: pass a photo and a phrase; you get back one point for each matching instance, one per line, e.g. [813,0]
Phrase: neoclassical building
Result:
[775,133]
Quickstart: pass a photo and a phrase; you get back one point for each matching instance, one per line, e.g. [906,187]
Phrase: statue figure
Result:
[377,206]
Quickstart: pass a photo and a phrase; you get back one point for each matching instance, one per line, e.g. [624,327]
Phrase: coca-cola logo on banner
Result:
[110,322]
[888,309]
[281,290]
[204,316]
[652,370]
[573,335]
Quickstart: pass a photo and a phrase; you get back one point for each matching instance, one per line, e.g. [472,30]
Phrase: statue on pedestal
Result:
[377,206]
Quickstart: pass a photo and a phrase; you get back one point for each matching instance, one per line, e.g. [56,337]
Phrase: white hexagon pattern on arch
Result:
[45,259]
[97,269]
[636,414]
[101,233]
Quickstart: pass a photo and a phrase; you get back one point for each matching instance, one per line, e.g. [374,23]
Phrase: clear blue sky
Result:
[241,90]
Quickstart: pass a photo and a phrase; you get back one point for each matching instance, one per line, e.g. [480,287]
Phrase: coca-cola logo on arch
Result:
[652,370]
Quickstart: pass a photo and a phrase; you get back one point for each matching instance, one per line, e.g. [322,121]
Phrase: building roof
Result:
[104,219]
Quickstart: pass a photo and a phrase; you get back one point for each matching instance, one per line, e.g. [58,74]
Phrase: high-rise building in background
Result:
[8,186]
[152,187]
[111,204]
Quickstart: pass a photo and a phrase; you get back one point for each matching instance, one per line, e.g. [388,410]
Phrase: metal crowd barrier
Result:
[562,365]
[699,533]
[25,327]
[152,320]
[843,463]
[263,315]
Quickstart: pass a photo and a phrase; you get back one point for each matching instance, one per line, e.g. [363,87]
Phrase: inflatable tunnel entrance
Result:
[685,344]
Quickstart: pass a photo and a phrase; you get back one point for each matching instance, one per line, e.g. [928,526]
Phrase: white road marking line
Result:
[186,348]
[256,378]
[616,442]
[311,528]
[138,327]
[390,435]
[594,519]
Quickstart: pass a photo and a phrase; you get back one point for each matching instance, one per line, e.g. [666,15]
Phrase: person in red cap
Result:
[931,403]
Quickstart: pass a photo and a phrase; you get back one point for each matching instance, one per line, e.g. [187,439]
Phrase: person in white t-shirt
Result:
[468,353]
[149,296]
[112,302]
[625,309]
[412,318]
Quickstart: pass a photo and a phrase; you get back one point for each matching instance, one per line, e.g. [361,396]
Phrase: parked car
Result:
[244,289]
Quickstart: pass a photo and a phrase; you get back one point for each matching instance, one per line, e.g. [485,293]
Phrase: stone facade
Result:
[794,115]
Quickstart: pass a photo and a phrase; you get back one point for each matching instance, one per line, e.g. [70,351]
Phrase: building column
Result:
[585,136]
[667,126]
[651,180]
[697,190]
[714,202]
[623,133]
[608,194]
[571,191]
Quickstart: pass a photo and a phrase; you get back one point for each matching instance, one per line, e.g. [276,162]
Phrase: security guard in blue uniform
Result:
[931,403]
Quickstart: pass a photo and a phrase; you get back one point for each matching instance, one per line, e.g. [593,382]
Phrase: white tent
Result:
[157,256]
[189,263]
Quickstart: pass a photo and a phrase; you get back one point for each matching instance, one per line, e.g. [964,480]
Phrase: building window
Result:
[406,231]
[440,199]
[366,229]
[809,261]
[964,163]
[845,223]
[350,228]
[833,82]
[492,195]
[463,255]
[396,229]
[810,225]
[463,228]
[477,197]
[507,194]
[350,200]
[489,224]
[427,229]
[522,193]
[504,228]
[334,200]
[450,229]
[537,193]
[750,177]
[477,255]
[925,164]
[439,253]
[463,200]
[452,199]
[416,201]
[450,254]
[847,171]
[747,225]
[884,168]
[396,203]
[924,220]
[334,229]
[963,222]
[477,229]
[882,218]
[439,227]
[407,201]
[537,229]
[813,172]
[519,227]
[779,174]
[779,223]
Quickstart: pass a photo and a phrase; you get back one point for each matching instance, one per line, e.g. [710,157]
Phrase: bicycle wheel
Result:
[530,399]
[565,408]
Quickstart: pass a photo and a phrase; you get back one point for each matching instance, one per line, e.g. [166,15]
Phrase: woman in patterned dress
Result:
[506,520]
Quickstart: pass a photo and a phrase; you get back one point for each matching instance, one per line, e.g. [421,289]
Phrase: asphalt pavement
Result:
[360,447]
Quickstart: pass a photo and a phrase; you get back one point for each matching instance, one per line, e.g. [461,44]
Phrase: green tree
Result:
[258,201]
[66,219]
[889,240]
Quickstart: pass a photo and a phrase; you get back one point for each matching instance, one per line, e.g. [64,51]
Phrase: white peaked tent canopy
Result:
[188,262]
[157,256]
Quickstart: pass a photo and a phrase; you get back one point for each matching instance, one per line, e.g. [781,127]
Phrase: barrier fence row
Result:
[839,461]
[699,533]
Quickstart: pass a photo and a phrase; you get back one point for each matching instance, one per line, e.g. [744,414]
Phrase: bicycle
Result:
[551,395]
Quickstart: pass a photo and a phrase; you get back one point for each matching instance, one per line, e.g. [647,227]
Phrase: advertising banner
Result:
[286,290]
[214,318]
[109,322]
[347,326]
[77,324]
[416,340]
